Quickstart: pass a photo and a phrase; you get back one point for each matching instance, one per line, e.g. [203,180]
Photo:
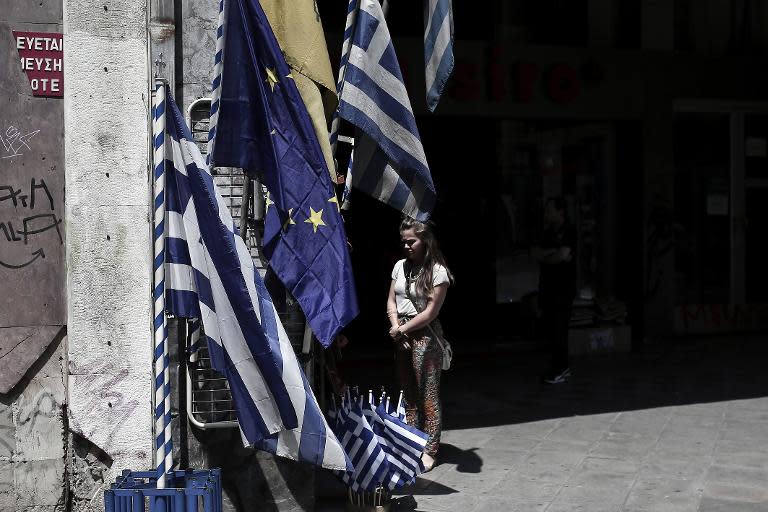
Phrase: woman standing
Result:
[419,285]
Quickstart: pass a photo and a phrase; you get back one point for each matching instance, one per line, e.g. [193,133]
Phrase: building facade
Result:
[650,118]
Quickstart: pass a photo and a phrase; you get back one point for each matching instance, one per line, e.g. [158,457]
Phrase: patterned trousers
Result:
[418,373]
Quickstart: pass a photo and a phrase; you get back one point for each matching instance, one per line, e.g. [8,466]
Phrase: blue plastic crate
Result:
[186,491]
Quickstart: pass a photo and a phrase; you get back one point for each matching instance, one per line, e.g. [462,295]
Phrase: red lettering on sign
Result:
[465,85]
[497,78]
[563,84]
[527,73]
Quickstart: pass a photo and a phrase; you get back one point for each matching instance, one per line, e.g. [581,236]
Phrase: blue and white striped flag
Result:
[390,163]
[438,48]
[403,445]
[363,448]
[210,275]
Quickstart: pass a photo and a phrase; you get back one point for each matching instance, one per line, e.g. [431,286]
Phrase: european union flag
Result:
[262,126]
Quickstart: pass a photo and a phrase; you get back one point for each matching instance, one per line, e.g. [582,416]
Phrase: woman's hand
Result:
[399,337]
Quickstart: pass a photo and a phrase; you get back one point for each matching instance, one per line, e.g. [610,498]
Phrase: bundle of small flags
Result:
[385,452]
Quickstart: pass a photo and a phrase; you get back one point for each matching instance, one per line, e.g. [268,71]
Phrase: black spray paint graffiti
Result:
[101,399]
[30,225]
[43,405]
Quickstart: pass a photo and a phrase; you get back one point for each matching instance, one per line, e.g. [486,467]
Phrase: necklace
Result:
[412,277]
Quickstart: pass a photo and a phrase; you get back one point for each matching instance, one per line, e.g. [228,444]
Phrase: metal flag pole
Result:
[218,67]
[336,121]
[345,49]
[163,448]
[349,27]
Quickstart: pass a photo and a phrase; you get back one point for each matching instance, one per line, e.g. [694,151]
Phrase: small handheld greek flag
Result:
[363,448]
[383,449]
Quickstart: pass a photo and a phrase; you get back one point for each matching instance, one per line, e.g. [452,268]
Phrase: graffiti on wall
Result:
[32,228]
[34,213]
[100,394]
[15,142]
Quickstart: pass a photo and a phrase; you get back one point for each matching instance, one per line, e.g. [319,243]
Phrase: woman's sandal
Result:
[428,462]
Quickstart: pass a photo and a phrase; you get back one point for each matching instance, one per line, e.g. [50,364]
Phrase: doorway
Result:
[721,202]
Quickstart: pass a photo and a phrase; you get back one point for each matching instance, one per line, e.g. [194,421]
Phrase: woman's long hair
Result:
[432,255]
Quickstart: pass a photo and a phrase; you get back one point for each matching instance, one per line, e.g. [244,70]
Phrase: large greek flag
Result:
[210,275]
[438,48]
[389,162]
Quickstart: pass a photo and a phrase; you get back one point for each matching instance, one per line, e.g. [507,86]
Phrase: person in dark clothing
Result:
[556,255]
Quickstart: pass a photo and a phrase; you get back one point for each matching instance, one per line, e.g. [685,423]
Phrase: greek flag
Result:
[363,448]
[210,275]
[383,449]
[402,444]
[438,48]
[389,162]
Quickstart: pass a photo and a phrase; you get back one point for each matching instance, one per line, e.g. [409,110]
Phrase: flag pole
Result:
[349,28]
[336,121]
[162,398]
[218,67]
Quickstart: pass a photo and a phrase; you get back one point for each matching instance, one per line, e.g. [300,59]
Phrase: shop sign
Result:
[520,81]
[42,59]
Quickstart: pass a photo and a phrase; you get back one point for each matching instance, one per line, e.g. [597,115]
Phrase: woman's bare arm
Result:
[431,311]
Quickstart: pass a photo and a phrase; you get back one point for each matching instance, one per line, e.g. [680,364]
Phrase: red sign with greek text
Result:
[42,58]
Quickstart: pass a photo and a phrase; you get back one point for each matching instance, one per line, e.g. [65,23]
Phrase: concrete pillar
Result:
[108,249]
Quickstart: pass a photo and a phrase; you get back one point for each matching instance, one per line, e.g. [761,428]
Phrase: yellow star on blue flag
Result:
[315,218]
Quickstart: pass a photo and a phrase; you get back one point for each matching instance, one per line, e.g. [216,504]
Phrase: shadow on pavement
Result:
[507,390]
[424,487]
[504,387]
[466,461]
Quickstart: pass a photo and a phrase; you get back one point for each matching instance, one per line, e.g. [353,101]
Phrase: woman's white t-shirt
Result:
[404,305]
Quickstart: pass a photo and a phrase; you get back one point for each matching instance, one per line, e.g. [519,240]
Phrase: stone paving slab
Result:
[642,433]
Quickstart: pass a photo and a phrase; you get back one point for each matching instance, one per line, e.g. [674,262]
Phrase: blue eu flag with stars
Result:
[262,126]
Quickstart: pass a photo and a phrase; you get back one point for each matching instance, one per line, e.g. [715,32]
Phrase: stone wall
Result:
[33,440]
[33,410]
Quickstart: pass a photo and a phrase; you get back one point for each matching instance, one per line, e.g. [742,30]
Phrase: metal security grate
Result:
[209,399]
[208,395]
[228,179]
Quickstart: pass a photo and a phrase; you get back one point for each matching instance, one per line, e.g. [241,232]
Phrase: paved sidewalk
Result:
[678,428]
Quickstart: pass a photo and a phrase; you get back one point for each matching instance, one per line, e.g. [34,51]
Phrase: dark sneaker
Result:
[558,378]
